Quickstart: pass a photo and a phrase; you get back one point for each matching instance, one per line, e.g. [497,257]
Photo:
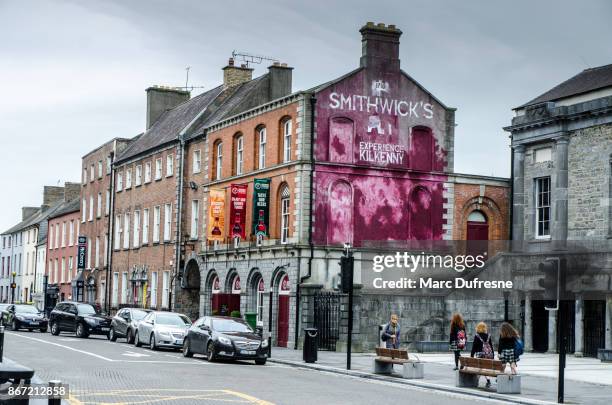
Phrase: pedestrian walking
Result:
[510,346]
[391,333]
[457,339]
[482,347]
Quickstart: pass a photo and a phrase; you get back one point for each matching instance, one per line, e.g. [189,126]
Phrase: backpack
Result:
[519,347]
[461,339]
[487,350]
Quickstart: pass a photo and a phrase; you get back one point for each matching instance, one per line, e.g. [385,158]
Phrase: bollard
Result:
[1,343]
[54,399]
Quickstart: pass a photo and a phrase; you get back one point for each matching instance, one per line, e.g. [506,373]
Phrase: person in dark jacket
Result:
[391,333]
[456,343]
[482,347]
[507,343]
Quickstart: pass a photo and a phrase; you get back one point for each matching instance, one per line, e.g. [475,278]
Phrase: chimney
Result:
[279,82]
[380,46]
[72,191]
[28,211]
[52,195]
[234,75]
[162,98]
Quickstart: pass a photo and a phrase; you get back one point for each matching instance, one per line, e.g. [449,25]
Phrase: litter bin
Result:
[311,345]
[251,319]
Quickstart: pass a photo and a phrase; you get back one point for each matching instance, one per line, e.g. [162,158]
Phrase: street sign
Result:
[82,252]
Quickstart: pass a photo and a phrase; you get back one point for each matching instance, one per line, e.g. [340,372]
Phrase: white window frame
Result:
[92,173]
[167,222]
[165,288]
[154,282]
[197,161]
[71,233]
[91,208]
[107,203]
[89,253]
[156,223]
[169,165]
[128,178]
[136,230]
[109,164]
[97,253]
[261,142]
[285,218]
[145,226]
[542,204]
[119,181]
[147,175]
[100,169]
[287,129]
[195,219]
[99,206]
[117,241]
[115,294]
[239,154]
[126,230]
[64,234]
[85,176]
[158,169]
[124,287]
[219,158]
[138,176]
[84,210]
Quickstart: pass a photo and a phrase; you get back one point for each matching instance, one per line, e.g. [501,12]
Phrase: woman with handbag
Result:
[457,339]
[391,333]
[482,347]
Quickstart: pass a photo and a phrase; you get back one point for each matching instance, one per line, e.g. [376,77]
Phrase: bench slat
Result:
[392,361]
[483,364]
[392,353]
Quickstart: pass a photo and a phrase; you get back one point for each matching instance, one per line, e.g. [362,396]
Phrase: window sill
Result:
[539,240]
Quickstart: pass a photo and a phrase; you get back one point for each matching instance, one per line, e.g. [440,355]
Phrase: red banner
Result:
[238,197]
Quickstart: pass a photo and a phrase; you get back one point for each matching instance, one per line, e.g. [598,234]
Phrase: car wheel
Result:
[210,352]
[55,330]
[111,335]
[260,362]
[152,344]
[129,336]
[137,342]
[14,325]
[186,349]
[80,331]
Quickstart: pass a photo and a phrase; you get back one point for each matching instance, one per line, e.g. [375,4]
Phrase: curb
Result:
[414,383]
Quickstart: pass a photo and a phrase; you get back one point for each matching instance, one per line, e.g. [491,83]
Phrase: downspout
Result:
[313,101]
[511,205]
[179,219]
[111,242]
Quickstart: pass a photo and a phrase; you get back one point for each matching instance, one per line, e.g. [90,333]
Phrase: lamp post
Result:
[13,286]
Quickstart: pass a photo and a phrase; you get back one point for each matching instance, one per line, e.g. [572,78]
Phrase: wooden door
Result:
[283,320]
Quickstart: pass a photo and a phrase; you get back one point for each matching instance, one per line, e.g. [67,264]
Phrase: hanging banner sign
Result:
[82,253]
[238,197]
[261,207]
[216,214]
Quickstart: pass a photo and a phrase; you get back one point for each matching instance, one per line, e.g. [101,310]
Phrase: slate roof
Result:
[585,81]
[169,124]
[66,208]
[39,217]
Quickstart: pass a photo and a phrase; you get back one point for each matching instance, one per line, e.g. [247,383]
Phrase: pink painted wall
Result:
[382,138]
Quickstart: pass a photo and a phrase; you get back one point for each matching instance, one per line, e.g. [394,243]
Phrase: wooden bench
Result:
[472,368]
[386,358]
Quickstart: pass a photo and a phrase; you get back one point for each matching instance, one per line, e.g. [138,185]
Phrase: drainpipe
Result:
[179,219]
[313,101]
[111,242]
[511,192]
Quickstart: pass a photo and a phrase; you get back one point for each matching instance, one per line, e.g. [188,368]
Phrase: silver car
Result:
[162,329]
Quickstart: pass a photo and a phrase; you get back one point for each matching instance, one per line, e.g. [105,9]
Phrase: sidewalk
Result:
[587,380]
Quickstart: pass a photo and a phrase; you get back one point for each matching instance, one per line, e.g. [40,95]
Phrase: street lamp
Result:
[13,286]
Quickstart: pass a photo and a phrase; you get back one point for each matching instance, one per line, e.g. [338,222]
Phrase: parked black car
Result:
[22,316]
[220,337]
[83,319]
[125,323]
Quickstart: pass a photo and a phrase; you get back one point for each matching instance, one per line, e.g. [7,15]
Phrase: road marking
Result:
[132,354]
[167,394]
[64,346]
[249,398]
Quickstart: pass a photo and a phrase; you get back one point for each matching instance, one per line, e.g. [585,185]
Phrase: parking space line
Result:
[63,346]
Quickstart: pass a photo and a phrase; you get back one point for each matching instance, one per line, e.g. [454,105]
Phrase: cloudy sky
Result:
[73,73]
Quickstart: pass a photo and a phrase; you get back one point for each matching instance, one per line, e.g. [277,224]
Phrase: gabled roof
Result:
[38,217]
[21,225]
[169,124]
[585,81]
[66,208]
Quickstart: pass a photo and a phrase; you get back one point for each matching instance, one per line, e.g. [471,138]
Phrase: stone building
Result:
[562,188]
[96,201]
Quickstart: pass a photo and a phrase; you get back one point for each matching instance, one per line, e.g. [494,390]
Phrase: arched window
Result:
[287,128]
[421,149]
[261,147]
[218,159]
[341,133]
[340,220]
[284,213]
[477,226]
[239,154]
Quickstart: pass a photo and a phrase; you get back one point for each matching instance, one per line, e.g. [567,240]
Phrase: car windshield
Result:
[86,309]
[26,309]
[229,325]
[137,314]
[172,320]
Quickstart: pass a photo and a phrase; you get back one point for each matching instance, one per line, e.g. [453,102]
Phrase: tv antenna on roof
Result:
[251,58]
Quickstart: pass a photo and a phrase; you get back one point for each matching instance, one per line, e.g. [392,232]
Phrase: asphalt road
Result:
[100,371]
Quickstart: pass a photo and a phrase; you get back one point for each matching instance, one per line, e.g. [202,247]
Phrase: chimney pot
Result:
[162,98]
[380,45]
[230,62]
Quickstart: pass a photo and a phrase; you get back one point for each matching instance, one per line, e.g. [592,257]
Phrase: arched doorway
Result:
[190,292]
[257,291]
[477,226]
[282,318]
[214,288]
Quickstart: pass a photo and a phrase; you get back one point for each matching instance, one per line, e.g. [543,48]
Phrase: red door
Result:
[283,320]
[477,235]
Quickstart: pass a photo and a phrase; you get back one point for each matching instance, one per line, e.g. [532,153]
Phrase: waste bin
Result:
[311,345]
[251,319]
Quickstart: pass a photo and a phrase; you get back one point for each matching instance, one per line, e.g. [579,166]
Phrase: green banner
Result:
[261,207]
